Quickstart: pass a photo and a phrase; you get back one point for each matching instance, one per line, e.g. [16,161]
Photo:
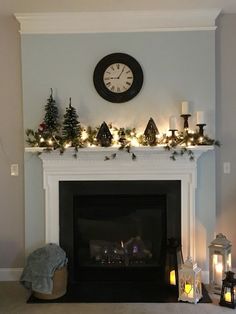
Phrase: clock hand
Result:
[121,72]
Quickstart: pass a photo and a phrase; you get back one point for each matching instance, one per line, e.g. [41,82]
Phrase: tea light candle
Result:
[185,107]
[200,117]
[173,123]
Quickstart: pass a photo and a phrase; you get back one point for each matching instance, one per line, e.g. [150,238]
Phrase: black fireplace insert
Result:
[116,232]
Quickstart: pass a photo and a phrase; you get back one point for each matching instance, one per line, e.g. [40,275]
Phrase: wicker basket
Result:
[59,286]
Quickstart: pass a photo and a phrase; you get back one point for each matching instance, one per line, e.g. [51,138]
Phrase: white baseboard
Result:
[10,274]
[205,277]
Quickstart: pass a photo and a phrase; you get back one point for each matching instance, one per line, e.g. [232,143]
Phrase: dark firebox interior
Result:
[115,232]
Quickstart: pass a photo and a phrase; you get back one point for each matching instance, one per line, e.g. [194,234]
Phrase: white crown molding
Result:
[10,274]
[112,22]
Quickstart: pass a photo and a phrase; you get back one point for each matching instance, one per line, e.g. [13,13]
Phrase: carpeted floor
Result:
[13,299]
[110,292]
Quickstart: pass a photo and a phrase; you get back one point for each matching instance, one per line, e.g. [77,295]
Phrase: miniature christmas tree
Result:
[51,117]
[151,132]
[71,127]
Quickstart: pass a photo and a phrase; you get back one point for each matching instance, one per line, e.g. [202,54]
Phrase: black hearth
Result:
[115,234]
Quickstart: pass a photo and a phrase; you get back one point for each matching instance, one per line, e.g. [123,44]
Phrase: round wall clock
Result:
[118,77]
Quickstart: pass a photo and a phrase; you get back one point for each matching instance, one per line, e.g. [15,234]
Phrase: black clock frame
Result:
[101,67]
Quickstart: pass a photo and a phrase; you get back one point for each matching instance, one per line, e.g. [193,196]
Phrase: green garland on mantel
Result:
[53,136]
[123,139]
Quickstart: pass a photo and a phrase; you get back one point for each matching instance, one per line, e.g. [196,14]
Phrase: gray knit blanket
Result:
[40,267]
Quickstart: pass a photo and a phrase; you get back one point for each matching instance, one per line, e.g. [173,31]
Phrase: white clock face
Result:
[118,78]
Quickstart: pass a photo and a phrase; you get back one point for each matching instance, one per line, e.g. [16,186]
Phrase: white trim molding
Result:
[117,21]
[10,274]
[151,164]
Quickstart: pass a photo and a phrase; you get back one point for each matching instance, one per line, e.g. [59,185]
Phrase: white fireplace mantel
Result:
[151,164]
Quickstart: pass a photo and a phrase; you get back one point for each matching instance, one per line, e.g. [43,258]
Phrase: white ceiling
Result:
[13,6]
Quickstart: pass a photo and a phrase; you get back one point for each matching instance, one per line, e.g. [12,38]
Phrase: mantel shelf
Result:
[144,153]
[200,148]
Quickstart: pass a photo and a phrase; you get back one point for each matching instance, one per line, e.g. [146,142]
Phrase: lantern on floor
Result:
[228,291]
[190,287]
[219,261]
[174,260]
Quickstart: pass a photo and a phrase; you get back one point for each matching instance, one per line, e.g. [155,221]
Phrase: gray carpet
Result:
[13,301]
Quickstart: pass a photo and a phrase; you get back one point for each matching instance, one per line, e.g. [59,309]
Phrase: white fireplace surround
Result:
[151,164]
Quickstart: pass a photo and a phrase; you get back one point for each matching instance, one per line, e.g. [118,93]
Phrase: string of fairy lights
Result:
[51,135]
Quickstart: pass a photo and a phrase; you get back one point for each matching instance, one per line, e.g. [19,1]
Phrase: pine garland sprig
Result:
[38,139]
[91,134]
[33,138]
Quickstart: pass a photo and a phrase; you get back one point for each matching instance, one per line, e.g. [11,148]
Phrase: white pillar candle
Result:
[173,123]
[200,117]
[185,107]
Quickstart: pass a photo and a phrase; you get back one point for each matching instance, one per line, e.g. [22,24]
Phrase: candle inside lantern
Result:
[219,268]
[185,107]
[227,296]
[188,289]
[173,123]
[219,271]
[200,117]
[172,278]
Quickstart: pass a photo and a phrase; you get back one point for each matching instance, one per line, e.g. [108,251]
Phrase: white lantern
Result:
[190,286]
[219,261]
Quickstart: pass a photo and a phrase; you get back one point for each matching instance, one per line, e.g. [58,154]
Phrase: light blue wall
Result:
[177,66]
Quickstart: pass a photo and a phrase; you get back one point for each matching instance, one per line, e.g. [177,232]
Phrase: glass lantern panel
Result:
[198,285]
[229,262]
[186,286]
[227,294]
[217,269]
[173,277]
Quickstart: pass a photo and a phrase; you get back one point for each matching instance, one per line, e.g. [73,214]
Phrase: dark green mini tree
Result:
[71,130]
[51,117]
